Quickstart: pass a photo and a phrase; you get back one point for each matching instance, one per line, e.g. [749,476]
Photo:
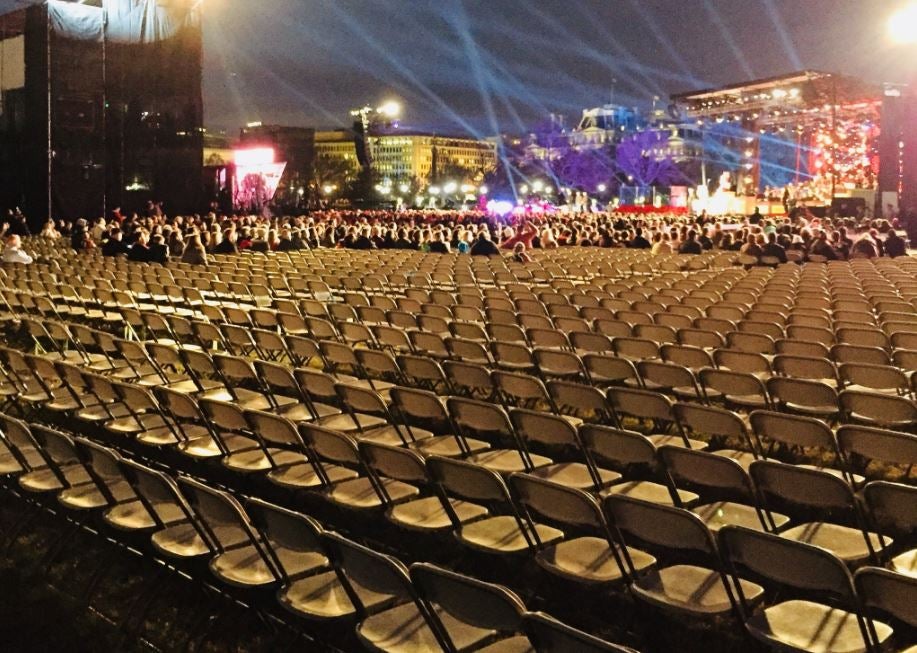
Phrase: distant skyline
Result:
[501,65]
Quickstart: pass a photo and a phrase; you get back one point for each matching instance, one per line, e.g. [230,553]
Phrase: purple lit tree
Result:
[636,162]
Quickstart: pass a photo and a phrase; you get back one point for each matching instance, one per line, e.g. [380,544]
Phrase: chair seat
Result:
[501,534]
[502,461]
[255,460]
[446,445]
[575,475]
[846,543]
[659,440]
[345,423]
[811,627]
[9,465]
[905,563]
[693,590]
[200,447]
[403,629]
[180,541]
[130,516]
[319,597]
[428,514]
[243,567]
[390,435]
[359,493]
[100,413]
[589,560]
[516,644]
[726,513]
[86,496]
[823,410]
[649,491]
[297,562]
[40,480]
[744,458]
[302,475]
[134,425]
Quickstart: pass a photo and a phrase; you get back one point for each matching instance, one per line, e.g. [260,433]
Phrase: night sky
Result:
[485,66]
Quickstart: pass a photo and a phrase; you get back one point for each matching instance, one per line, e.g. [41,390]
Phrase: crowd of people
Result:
[158,238]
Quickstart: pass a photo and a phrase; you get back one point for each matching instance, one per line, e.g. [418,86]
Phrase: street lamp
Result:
[902,25]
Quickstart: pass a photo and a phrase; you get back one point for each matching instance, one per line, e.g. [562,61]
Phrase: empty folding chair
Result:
[701,592]
[589,554]
[357,488]
[808,437]
[861,445]
[286,453]
[504,531]
[370,418]
[470,379]
[892,511]
[670,378]
[892,596]
[607,370]
[737,390]
[465,609]
[425,513]
[743,361]
[721,427]
[309,586]
[240,556]
[652,407]
[694,358]
[176,532]
[424,410]
[727,495]
[634,455]
[553,363]
[389,614]
[557,436]
[124,509]
[877,409]
[802,492]
[804,397]
[875,378]
[491,424]
[816,608]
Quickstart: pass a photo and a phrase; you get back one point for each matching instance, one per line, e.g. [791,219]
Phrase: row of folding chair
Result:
[730,561]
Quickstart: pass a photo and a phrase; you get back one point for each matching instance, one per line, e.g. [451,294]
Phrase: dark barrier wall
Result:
[126,113]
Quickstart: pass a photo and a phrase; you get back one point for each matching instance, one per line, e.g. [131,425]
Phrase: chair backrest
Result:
[700,468]
[478,416]
[802,486]
[544,428]
[642,404]
[795,430]
[872,443]
[286,529]
[222,515]
[892,507]
[368,569]
[468,481]
[394,462]
[559,503]
[658,525]
[330,445]
[889,592]
[617,445]
[471,601]
[786,562]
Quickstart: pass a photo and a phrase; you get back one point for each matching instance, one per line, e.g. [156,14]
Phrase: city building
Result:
[408,155]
